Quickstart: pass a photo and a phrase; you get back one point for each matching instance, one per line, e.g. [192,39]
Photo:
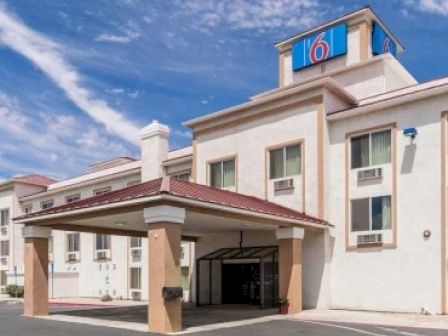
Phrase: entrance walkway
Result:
[194,318]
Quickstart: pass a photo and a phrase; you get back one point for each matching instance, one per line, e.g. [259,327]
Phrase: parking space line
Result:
[361,331]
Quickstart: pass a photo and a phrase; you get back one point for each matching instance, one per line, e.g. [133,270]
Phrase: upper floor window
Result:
[73,198]
[47,204]
[371,214]
[136,278]
[73,242]
[102,242]
[222,174]
[27,209]
[371,149]
[4,217]
[102,191]
[182,176]
[4,248]
[285,161]
[136,242]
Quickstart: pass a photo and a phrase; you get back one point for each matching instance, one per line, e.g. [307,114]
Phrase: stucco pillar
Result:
[164,239]
[290,266]
[36,270]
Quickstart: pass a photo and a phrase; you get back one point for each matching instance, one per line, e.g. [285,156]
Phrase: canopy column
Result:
[36,270]
[290,266]
[165,291]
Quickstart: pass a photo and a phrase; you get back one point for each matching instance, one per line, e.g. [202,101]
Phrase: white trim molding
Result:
[33,231]
[164,213]
[290,233]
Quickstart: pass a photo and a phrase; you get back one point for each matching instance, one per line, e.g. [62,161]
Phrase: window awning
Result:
[258,252]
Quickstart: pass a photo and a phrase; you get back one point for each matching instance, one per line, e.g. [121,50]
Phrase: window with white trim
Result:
[102,191]
[222,174]
[136,278]
[371,149]
[185,176]
[371,214]
[3,279]
[136,242]
[73,242]
[102,242]
[4,248]
[4,217]
[46,204]
[27,209]
[72,198]
[285,161]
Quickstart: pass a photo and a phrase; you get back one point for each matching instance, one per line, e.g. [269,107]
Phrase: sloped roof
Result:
[35,179]
[183,189]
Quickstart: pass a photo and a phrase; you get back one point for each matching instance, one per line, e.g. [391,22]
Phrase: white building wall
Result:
[405,278]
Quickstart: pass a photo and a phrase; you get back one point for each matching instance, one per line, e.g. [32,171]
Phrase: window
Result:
[27,209]
[133,183]
[102,242]
[182,176]
[371,149]
[4,217]
[185,280]
[4,248]
[371,214]
[73,242]
[285,162]
[102,191]
[222,174]
[3,279]
[50,245]
[136,281]
[136,242]
[72,198]
[47,204]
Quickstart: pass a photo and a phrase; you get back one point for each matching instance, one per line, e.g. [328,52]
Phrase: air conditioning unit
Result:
[3,290]
[136,254]
[369,174]
[4,230]
[372,238]
[136,296]
[283,184]
[102,254]
[3,260]
[72,256]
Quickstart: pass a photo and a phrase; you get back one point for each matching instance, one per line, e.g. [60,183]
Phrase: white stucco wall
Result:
[408,277]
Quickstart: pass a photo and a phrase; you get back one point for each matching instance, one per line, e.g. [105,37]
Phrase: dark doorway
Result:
[241,283]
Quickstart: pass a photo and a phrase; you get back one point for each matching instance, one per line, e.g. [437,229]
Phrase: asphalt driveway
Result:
[13,324]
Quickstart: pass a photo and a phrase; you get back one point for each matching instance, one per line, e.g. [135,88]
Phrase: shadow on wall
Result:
[408,159]
[316,255]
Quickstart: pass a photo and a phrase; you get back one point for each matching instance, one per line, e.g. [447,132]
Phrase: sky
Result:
[79,79]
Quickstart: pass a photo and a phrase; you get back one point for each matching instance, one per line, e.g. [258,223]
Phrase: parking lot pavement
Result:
[13,324]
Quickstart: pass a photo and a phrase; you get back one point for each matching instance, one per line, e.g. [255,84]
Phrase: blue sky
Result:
[78,79]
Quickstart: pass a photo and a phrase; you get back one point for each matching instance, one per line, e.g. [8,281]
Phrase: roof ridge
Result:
[165,185]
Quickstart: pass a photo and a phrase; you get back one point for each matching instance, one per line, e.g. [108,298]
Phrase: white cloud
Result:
[263,14]
[128,33]
[134,95]
[53,143]
[429,6]
[48,56]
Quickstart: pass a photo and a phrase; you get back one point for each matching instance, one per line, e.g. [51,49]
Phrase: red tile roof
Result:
[183,189]
[35,179]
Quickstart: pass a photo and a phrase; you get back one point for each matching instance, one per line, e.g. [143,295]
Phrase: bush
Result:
[106,298]
[14,291]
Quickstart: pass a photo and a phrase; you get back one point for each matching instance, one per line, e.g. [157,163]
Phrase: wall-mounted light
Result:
[410,132]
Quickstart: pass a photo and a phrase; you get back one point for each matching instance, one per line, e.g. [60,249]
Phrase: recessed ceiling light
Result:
[120,223]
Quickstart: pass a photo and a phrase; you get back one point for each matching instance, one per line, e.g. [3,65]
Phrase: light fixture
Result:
[121,223]
[410,132]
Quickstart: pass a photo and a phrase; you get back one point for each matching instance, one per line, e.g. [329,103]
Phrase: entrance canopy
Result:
[208,210]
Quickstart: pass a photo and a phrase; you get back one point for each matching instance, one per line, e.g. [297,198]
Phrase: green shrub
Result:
[14,291]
